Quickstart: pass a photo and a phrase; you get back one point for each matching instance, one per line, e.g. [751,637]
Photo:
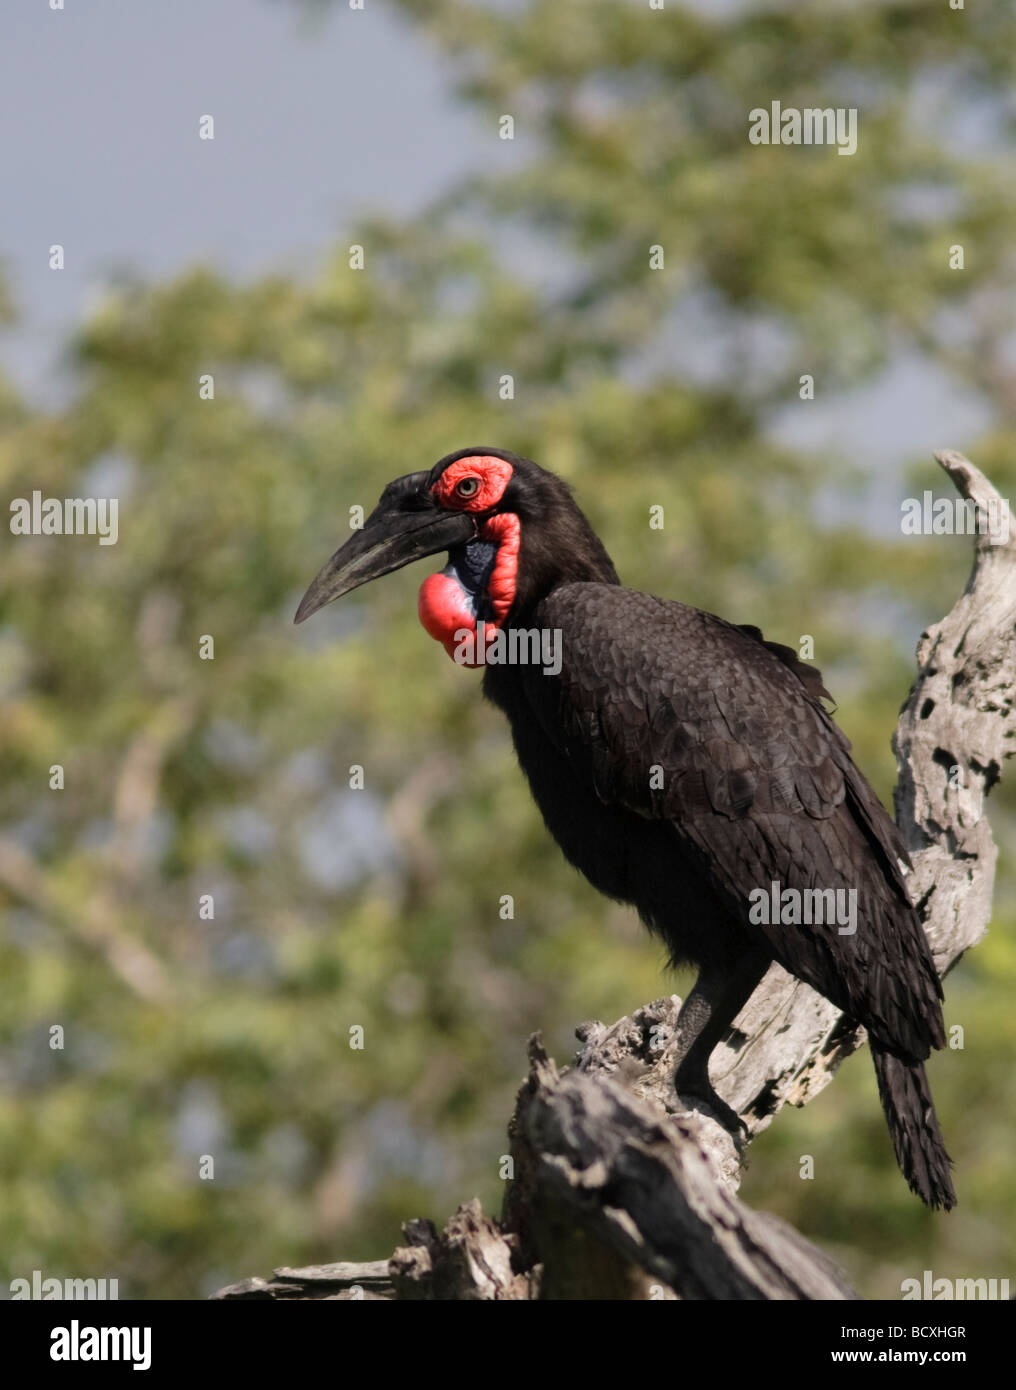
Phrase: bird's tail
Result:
[920,1149]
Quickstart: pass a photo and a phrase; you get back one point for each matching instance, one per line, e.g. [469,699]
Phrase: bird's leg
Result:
[706,1014]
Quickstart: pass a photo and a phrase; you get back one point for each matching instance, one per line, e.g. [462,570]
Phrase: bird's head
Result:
[512,531]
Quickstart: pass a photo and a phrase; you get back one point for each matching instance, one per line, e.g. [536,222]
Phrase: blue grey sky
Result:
[99,148]
[314,122]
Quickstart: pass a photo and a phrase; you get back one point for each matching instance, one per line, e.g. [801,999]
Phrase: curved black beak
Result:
[406,525]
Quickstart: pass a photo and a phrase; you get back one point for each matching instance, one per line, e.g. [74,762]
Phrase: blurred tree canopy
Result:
[335,908]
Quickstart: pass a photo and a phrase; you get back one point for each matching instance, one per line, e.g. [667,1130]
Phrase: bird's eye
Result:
[468,487]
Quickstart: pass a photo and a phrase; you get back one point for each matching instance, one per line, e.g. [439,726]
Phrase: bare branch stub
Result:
[957,728]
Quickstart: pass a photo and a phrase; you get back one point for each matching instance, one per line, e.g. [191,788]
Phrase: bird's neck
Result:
[568,552]
[499,577]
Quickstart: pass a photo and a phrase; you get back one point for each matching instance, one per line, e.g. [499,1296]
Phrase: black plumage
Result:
[683,763]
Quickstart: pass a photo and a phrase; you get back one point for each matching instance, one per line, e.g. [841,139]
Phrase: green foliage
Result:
[380,908]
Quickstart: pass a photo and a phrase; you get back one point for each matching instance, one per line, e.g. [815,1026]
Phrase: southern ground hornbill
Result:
[684,764]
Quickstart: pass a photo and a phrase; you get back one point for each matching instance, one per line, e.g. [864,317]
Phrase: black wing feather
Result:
[757,782]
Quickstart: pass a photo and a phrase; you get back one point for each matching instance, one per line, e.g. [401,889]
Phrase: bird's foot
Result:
[695,1092]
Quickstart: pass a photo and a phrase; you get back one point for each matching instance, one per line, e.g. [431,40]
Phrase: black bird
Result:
[683,763]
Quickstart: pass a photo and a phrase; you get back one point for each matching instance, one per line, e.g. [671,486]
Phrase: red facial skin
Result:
[444,606]
[492,474]
[444,610]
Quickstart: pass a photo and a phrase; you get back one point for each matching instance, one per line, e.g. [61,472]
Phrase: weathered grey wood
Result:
[955,730]
[470,1260]
[340,1280]
[614,1198]
[617,1191]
